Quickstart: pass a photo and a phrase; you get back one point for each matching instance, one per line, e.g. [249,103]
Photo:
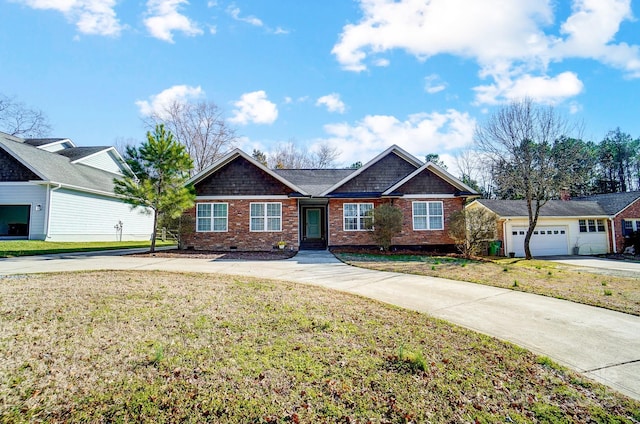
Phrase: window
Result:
[428,216]
[266,216]
[211,217]
[591,225]
[357,216]
[629,226]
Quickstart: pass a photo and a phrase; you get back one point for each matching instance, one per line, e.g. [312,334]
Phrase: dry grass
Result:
[163,347]
[535,276]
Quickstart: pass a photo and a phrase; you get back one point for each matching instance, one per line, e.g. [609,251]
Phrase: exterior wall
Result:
[79,216]
[238,235]
[379,177]
[589,243]
[28,194]
[631,212]
[427,182]
[12,170]
[408,237]
[103,160]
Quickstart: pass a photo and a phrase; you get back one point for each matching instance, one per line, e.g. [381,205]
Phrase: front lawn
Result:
[11,248]
[162,347]
[534,276]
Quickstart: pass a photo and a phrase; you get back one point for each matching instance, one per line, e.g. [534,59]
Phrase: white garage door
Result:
[545,241]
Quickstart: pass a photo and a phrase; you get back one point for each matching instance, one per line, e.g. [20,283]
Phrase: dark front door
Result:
[313,230]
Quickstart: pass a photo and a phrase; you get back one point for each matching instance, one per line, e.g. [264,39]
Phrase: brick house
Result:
[243,205]
[590,225]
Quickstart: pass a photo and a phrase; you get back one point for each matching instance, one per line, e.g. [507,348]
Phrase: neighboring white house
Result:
[52,190]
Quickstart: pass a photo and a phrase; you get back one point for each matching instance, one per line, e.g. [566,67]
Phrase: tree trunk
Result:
[153,235]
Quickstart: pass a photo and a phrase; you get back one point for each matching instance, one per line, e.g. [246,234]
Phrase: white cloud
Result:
[164,19]
[254,107]
[158,103]
[332,102]
[433,84]
[280,31]
[251,20]
[517,35]
[419,134]
[95,17]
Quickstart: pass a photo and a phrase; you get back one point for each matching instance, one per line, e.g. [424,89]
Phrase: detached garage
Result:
[563,227]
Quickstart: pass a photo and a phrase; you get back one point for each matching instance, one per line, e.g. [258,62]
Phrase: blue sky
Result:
[358,74]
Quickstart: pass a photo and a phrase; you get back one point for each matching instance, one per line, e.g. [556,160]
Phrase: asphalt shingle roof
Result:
[314,181]
[57,168]
[559,208]
[41,141]
[612,203]
[75,153]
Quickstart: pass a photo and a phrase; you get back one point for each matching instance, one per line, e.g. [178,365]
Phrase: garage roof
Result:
[555,208]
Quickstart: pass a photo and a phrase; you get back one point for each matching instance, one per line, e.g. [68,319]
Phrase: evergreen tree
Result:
[160,168]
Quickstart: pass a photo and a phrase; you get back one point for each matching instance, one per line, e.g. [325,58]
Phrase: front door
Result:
[312,229]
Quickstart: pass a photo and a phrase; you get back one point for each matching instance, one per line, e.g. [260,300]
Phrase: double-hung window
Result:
[428,216]
[358,216]
[591,225]
[212,217]
[266,216]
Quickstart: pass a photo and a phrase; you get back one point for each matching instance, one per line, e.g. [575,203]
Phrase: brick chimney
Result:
[564,194]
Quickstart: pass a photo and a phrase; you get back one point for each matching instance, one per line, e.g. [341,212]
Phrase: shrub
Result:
[470,228]
[387,223]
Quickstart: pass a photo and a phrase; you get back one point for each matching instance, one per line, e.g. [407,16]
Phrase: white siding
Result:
[589,243]
[78,216]
[103,160]
[28,194]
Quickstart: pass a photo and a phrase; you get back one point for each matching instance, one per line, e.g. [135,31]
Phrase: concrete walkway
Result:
[601,344]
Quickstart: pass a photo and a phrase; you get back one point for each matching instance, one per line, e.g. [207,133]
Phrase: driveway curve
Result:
[601,344]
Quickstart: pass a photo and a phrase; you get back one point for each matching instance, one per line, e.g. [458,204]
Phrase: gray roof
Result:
[41,141]
[612,203]
[314,181]
[556,208]
[57,168]
[75,153]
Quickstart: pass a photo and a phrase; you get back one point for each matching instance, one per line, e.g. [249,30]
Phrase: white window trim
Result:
[265,217]
[358,217]
[413,216]
[595,221]
[212,218]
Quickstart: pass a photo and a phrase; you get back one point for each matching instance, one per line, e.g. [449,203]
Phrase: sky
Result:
[359,75]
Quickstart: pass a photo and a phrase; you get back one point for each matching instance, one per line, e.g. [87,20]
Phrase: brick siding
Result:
[632,212]
[238,234]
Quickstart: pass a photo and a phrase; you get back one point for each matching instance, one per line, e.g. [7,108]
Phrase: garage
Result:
[545,241]
[14,221]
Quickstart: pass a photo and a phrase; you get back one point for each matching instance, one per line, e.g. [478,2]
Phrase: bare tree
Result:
[470,228]
[519,143]
[22,121]
[200,127]
[473,170]
[289,156]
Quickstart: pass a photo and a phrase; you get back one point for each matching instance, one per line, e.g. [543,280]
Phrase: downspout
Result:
[504,236]
[613,235]
[46,224]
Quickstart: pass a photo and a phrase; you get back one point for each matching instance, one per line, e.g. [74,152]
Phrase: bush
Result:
[470,228]
[387,224]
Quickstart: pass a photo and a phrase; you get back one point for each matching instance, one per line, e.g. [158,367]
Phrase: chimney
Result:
[564,194]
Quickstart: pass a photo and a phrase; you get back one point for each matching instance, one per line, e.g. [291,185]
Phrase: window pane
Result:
[600,225]
[351,223]
[350,209]
[273,209]
[435,208]
[435,222]
[583,225]
[257,224]
[420,222]
[419,208]
[273,224]
[592,225]
[366,222]
[220,210]
[257,209]
[204,209]
[366,208]
[204,224]
[220,224]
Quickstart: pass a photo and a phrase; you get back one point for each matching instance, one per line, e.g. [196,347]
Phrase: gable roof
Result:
[76,153]
[464,189]
[314,181]
[553,208]
[612,203]
[55,168]
[394,149]
[235,153]
[38,142]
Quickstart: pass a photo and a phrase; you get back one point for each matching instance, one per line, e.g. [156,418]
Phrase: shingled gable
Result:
[14,169]
[377,175]
[432,179]
[238,174]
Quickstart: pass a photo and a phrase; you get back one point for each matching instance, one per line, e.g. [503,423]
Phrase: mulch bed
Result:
[211,254]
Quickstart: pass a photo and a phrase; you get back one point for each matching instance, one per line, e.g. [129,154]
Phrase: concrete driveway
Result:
[600,265]
[601,344]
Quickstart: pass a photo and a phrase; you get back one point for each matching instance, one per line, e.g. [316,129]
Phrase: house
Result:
[589,225]
[243,205]
[51,189]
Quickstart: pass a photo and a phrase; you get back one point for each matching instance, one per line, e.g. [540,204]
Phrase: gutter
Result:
[49,191]
[613,235]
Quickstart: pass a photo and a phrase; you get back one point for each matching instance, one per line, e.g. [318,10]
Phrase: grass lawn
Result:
[11,248]
[534,276]
[163,347]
